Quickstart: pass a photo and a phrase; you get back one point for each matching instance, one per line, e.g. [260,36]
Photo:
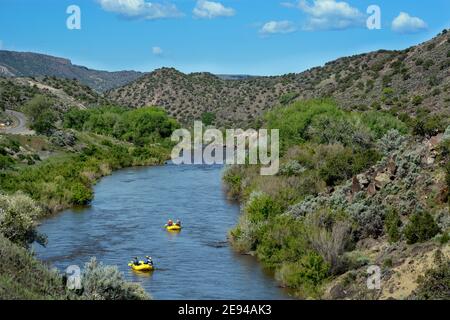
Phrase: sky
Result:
[256,37]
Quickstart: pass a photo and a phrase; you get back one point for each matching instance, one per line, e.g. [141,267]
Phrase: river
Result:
[126,219]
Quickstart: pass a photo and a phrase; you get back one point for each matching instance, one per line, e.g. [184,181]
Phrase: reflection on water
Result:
[126,219]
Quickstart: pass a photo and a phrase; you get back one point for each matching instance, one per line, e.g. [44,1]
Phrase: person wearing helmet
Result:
[178,223]
[136,261]
[169,223]
[148,260]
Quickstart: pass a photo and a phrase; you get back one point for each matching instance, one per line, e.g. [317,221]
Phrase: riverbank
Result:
[355,189]
[63,179]
[55,171]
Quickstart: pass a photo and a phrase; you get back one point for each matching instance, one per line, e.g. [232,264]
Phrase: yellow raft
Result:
[173,228]
[141,267]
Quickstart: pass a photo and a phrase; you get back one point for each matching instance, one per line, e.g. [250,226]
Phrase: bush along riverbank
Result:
[41,175]
[354,189]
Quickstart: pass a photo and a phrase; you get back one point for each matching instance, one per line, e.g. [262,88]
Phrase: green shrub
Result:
[420,228]
[81,194]
[6,162]
[435,283]
[42,117]
[306,275]
[107,283]
[417,100]
[392,225]
[343,163]
[261,207]
[281,239]
[287,98]
[208,118]
[18,215]
[139,126]
[22,277]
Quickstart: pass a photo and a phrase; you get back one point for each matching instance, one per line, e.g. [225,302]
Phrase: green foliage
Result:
[233,179]
[343,163]
[287,98]
[322,121]
[435,283]
[18,215]
[22,277]
[262,207]
[392,225]
[306,275]
[417,100]
[107,283]
[61,182]
[6,162]
[140,126]
[81,194]
[208,118]
[76,118]
[294,120]
[45,122]
[42,117]
[421,227]
[379,123]
[429,125]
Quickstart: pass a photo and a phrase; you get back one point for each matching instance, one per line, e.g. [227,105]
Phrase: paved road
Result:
[20,126]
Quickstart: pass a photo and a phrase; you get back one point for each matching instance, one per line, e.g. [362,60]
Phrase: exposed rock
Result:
[356,187]
[435,141]
[382,179]
[392,168]
[371,189]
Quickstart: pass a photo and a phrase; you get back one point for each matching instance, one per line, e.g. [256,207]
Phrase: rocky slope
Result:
[400,81]
[15,92]
[27,64]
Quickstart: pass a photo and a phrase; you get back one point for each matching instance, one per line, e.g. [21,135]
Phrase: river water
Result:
[126,219]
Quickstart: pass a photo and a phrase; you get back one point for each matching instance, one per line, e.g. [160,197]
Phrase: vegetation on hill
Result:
[346,178]
[407,83]
[15,92]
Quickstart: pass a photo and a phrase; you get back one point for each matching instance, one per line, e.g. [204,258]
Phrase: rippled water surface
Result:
[126,219]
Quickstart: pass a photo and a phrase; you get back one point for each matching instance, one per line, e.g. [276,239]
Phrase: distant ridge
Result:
[401,81]
[28,64]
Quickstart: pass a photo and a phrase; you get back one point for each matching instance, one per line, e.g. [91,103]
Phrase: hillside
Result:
[399,81]
[15,92]
[27,64]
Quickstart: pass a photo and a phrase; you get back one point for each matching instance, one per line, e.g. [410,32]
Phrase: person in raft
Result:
[148,260]
[136,261]
[169,223]
[178,223]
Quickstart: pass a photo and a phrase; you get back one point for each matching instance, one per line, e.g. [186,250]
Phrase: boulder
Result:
[381,179]
[356,187]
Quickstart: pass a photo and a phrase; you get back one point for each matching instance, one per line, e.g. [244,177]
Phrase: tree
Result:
[41,115]
[421,227]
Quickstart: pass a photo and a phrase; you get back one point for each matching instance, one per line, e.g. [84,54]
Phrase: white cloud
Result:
[157,51]
[404,23]
[140,9]
[329,14]
[210,9]
[273,27]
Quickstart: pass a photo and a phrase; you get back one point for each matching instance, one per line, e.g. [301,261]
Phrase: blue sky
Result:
[259,37]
